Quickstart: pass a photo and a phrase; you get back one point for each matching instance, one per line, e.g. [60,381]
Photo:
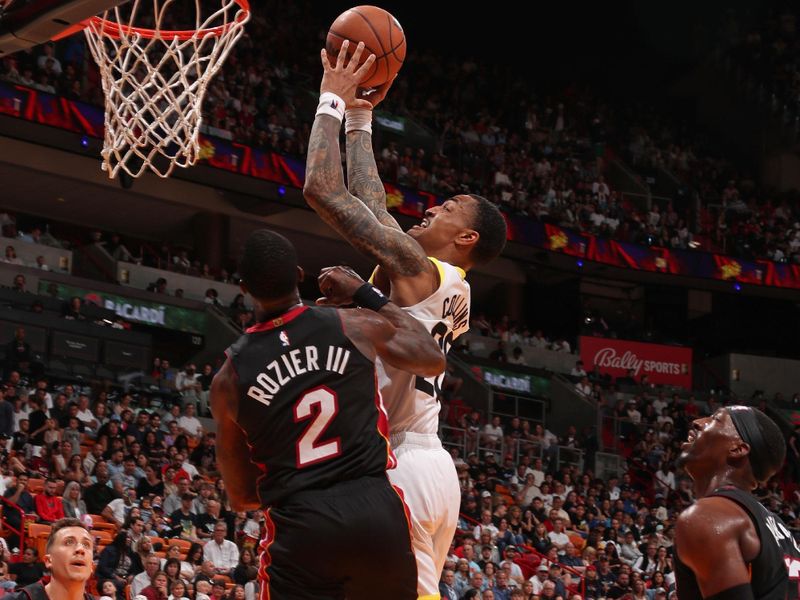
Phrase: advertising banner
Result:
[135,310]
[33,105]
[663,365]
[513,382]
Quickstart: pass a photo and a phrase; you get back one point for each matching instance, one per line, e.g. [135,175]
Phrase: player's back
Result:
[308,404]
[775,573]
[411,401]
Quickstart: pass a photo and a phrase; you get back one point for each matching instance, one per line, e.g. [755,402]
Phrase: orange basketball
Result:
[382,36]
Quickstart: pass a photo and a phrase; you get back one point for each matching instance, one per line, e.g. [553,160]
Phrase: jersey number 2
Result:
[320,405]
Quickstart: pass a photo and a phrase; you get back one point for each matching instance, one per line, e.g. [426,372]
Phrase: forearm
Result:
[363,179]
[240,476]
[326,193]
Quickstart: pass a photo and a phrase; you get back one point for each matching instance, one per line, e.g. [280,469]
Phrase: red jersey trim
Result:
[265,559]
[278,321]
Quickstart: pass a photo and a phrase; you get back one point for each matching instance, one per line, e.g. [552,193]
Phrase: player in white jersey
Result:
[424,271]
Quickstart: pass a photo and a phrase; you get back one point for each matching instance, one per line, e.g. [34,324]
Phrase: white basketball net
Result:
[154,87]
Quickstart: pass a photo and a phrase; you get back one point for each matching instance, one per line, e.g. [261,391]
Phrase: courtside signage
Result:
[663,365]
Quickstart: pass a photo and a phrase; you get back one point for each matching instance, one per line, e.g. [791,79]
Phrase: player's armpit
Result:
[326,193]
[707,540]
[239,473]
[396,337]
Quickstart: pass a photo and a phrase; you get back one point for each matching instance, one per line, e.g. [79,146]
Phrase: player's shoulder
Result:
[712,516]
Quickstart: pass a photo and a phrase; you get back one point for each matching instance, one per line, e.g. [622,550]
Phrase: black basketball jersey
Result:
[775,573]
[309,404]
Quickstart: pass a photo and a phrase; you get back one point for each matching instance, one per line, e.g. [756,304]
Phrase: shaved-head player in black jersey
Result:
[302,431]
[728,546]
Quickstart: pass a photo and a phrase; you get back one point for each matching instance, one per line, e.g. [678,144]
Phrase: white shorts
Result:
[427,477]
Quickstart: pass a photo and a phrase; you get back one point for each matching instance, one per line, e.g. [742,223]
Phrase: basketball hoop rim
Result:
[106,28]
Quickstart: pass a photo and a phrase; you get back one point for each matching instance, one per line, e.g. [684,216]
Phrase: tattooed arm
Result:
[397,253]
[363,179]
[400,257]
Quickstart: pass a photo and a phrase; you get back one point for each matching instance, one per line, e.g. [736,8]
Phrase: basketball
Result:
[382,36]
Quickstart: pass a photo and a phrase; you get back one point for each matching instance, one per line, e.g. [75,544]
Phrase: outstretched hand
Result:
[343,79]
[338,284]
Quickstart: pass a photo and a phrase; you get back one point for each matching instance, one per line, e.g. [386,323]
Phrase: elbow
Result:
[434,365]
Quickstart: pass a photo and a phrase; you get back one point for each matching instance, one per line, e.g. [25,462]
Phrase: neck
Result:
[266,310]
[65,590]
[451,255]
[705,484]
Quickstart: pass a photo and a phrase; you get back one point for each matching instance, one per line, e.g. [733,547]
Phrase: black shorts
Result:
[349,541]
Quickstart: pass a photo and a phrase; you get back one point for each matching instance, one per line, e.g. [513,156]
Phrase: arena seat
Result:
[39,533]
[35,486]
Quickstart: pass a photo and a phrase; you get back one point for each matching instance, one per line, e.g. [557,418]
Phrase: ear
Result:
[740,449]
[468,237]
[301,275]
[48,561]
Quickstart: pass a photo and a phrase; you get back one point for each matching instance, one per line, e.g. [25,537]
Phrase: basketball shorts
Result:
[426,475]
[350,541]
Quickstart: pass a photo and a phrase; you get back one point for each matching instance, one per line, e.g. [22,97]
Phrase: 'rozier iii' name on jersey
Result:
[293,364]
[458,307]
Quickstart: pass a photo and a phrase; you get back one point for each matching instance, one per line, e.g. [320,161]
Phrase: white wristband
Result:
[331,104]
[358,119]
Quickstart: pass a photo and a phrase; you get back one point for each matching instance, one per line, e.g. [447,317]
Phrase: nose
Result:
[431,211]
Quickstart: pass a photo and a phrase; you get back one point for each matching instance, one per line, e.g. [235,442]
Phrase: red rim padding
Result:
[113,30]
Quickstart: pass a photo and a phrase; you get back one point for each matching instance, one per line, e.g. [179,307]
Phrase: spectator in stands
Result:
[492,433]
[157,590]
[118,509]
[41,264]
[19,495]
[101,493]
[49,507]
[188,384]
[578,370]
[223,553]
[72,309]
[29,571]
[6,415]
[183,520]
[518,358]
[189,424]
[143,579]
[118,563]
[499,353]
[18,353]
[11,257]
[74,506]
[159,286]
[212,297]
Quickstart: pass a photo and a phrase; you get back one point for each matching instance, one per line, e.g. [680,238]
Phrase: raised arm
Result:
[233,455]
[386,330]
[399,254]
[363,180]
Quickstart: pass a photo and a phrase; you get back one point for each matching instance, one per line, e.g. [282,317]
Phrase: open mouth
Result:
[423,225]
[79,563]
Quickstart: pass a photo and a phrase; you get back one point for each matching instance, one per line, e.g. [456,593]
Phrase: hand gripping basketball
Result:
[338,285]
[343,79]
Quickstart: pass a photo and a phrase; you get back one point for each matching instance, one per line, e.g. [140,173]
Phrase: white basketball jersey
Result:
[411,401]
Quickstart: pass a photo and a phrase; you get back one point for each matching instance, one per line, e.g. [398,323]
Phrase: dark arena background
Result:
[646,158]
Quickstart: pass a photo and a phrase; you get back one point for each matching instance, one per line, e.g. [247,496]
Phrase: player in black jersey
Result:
[302,431]
[728,546]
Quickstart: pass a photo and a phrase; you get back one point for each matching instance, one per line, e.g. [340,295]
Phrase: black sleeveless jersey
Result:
[309,404]
[774,574]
